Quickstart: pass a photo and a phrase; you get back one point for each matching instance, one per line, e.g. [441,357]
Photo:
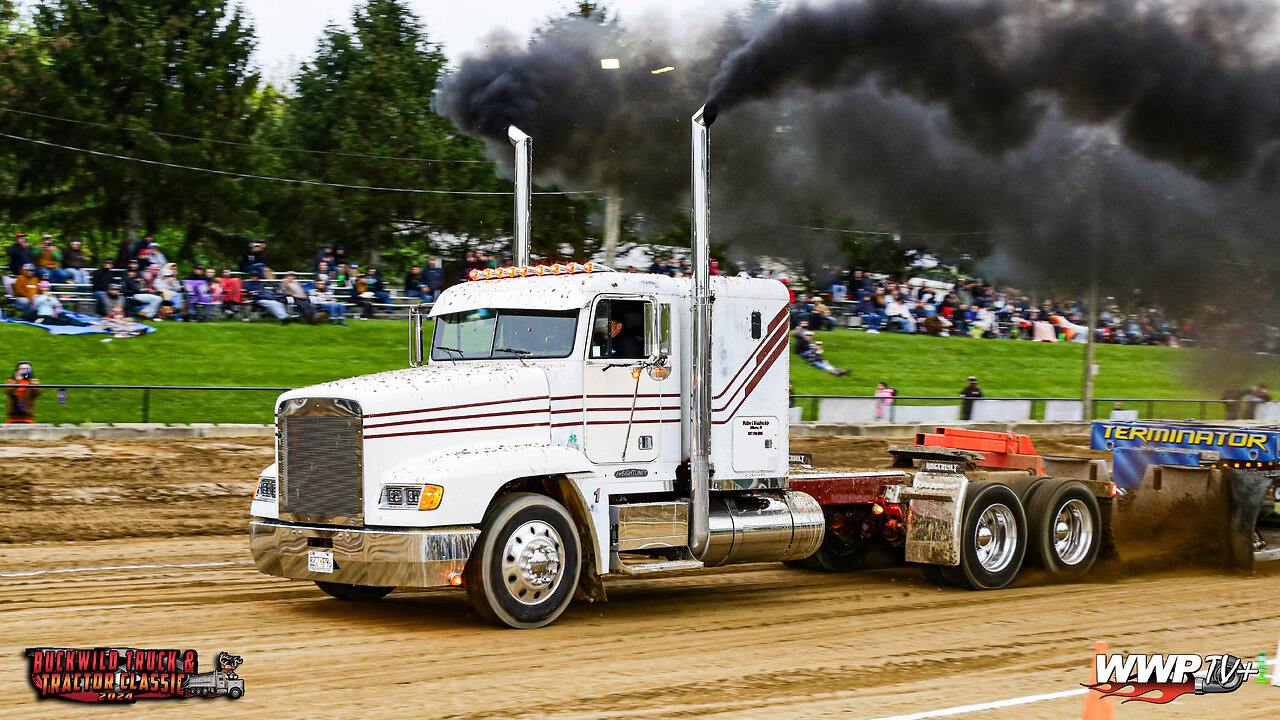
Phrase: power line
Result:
[851,231]
[233,142]
[294,181]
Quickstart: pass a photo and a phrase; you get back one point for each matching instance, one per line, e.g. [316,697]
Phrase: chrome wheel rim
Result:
[1072,532]
[532,561]
[996,538]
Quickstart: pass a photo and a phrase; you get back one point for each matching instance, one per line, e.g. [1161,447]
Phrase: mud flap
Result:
[934,518]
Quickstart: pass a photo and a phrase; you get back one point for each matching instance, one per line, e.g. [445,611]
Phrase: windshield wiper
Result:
[449,349]
[517,352]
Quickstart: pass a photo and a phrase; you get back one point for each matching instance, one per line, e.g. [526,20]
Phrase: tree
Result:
[134,73]
[369,93]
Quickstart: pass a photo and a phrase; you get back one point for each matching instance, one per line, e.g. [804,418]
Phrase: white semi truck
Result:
[566,422]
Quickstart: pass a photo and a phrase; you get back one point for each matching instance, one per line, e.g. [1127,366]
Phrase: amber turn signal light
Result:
[431,496]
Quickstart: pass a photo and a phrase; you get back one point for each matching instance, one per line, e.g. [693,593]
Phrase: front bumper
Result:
[378,558]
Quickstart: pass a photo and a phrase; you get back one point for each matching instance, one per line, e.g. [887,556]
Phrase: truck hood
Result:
[438,392]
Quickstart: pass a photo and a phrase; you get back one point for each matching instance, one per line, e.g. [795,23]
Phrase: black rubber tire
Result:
[970,573]
[837,554]
[809,563]
[1042,514]
[353,593]
[1026,488]
[936,575]
[235,693]
[483,575]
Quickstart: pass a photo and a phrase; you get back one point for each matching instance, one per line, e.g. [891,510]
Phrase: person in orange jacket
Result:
[22,394]
[25,288]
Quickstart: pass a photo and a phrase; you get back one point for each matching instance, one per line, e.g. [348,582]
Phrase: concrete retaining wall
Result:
[119,431]
[909,430]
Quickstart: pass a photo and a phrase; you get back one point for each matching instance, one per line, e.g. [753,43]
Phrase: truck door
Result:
[624,404]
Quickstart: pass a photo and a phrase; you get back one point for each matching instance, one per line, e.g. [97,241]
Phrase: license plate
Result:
[320,561]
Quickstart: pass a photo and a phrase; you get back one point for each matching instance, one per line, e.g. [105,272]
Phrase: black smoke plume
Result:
[1134,142]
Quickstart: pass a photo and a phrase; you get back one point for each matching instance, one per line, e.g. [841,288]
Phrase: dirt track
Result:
[754,641]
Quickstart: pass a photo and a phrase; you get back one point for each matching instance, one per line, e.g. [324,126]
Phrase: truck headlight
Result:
[411,496]
[266,489]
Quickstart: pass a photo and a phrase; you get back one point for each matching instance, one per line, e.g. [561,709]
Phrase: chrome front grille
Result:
[320,461]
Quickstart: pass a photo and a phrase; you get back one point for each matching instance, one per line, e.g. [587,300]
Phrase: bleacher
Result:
[79,298]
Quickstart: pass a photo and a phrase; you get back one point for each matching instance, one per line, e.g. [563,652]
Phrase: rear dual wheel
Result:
[1066,528]
[993,540]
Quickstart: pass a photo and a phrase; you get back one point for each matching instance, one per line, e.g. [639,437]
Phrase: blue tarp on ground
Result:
[73,330]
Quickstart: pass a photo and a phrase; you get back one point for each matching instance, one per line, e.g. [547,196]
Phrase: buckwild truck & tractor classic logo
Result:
[125,675]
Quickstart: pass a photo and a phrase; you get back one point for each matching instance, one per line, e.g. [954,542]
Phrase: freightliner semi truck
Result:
[564,423]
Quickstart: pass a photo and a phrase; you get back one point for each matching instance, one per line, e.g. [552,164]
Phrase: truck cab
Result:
[566,387]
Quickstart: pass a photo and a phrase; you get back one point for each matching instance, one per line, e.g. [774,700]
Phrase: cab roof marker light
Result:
[571,268]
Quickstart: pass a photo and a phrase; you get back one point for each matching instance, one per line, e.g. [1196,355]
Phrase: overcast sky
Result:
[288,29]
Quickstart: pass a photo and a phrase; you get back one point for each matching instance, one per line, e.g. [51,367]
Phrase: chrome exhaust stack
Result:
[700,405]
[524,186]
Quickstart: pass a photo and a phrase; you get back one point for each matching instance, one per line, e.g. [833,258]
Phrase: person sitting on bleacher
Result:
[324,299]
[49,309]
[413,283]
[376,286]
[154,255]
[171,291]
[233,289]
[73,264]
[20,254]
[103,278]
[49,261]
[217,293]
[296,295]
[25,288]
[361,295]
[258,294]
[324,269]
[323,255]
[144,302]
[432,278]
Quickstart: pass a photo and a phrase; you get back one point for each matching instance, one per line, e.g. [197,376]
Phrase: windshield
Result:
[498,334]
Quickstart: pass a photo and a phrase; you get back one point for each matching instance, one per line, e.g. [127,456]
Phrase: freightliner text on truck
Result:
[568,422]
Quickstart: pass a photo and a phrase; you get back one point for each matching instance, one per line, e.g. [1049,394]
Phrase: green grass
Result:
[266,354]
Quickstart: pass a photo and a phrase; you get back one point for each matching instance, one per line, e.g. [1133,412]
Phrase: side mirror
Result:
[417,352]
[660,330]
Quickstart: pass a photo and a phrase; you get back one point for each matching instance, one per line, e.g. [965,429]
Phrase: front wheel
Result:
[353,593]
[524,570]
[993,538]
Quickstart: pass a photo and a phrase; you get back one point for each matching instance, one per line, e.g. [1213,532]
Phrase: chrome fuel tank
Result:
[763,527]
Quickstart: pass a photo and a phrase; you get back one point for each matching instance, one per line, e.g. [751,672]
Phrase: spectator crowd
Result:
[140,282]
[974,308]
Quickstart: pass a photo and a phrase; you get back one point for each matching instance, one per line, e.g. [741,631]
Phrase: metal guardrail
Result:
[73,403]
[1148,408]
[76,404]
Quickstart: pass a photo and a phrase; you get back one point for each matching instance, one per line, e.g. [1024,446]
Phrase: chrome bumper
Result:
[379,558]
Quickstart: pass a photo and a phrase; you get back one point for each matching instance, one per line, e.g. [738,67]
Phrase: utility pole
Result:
[1086,396]
[612,224]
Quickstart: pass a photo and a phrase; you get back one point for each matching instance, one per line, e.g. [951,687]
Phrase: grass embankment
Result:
[266,354]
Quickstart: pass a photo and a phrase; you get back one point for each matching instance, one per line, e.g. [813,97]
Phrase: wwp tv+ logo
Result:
[1162,678]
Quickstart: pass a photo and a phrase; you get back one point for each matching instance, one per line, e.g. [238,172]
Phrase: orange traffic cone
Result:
[1096,707]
